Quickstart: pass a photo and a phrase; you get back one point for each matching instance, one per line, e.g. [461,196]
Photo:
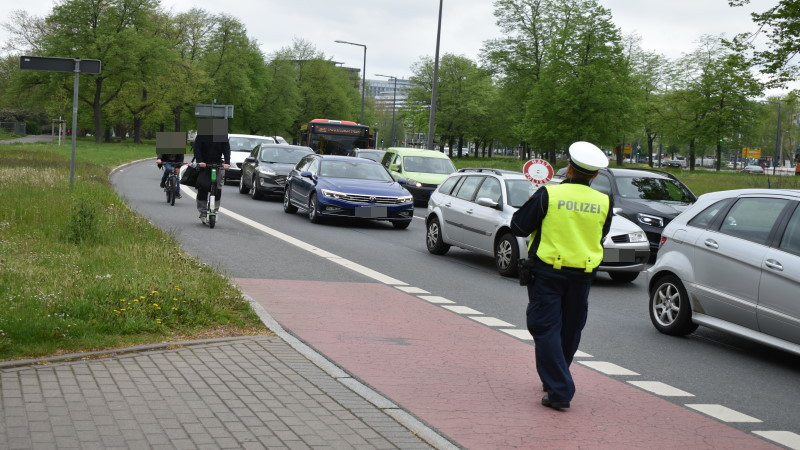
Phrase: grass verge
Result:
[80,271]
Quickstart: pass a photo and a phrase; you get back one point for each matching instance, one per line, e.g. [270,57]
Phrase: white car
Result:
[241,146]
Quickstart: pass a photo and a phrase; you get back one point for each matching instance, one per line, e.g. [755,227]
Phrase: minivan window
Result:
[447,185]
[519,191]
[704,219]
[490,189]
[424,164]
[752,218]
[468,187]
[791,237]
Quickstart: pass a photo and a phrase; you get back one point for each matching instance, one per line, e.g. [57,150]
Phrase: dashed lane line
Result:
[607,368]
[412,290]
[435,299]
[722,413]
[491,321]
[517,333]
[461,309]
[785,438]
[660,388]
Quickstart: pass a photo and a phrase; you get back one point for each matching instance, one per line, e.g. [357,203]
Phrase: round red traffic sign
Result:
[538,171]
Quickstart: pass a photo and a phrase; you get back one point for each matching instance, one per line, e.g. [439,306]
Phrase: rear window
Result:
[468,187]
[447,185]
[519,191]
[704,219]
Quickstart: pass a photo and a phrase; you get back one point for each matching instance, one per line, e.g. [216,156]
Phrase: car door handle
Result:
[469,211]
[772,264]
[711,243]
[447,205]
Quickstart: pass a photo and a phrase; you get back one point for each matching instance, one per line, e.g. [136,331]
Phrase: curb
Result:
[116,351]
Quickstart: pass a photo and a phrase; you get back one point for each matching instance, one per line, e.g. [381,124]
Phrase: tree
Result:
[779,23]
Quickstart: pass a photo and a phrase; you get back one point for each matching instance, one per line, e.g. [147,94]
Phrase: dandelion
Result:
[155,304]
[117,311]
[174,308]
[142,297]
[154,292]
[158,320]
[136,300]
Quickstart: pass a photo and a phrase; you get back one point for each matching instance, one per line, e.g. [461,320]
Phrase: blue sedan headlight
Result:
[333,194]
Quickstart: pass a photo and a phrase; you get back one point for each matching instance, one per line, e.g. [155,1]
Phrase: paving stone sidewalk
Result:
[253,392]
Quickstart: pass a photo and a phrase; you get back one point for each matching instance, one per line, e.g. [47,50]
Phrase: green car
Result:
[421,171]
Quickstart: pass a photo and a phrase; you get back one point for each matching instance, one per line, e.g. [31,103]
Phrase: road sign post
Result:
[75,65]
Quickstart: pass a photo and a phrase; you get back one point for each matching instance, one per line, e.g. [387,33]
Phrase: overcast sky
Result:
[398,32]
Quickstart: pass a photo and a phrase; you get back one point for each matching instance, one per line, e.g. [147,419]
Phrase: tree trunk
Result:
[650,139]
[137,130]
[491,148]
[691,154]
[177,111]
[98,111]
[719,155]
[461,146]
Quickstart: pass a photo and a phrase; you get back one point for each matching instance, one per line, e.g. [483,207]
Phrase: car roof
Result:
[285,146]
[406,151]
[794,193]
[645,173]
[483,170]
[250,136]
[346,158]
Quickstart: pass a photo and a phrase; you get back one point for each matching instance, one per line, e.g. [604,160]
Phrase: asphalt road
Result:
[715,367]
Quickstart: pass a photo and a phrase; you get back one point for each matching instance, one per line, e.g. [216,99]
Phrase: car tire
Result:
[433,238]
[624,277]
[255,194]
[401,224]
[313,211]
[288,207]
[506,255]
[242,188]
[670,310]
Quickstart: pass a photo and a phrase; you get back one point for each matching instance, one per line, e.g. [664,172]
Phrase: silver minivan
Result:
[732,262]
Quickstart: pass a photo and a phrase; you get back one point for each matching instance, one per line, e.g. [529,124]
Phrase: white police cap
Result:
[587,157]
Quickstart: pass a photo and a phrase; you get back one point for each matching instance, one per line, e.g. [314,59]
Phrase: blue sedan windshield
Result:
[354,169]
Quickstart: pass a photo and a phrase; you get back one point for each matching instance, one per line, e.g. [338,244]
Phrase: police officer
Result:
[566,223]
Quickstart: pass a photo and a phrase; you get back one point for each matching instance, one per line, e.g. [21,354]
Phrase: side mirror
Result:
[401,181]
[249,159]
[395,168]
[617,211]
[485,201]
[306,174]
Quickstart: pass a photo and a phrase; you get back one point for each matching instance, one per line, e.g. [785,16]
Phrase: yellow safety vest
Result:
[572,229]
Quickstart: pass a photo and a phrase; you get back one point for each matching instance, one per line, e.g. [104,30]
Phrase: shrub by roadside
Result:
[80,271]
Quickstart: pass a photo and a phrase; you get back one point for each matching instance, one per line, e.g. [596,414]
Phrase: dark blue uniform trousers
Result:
[557,309]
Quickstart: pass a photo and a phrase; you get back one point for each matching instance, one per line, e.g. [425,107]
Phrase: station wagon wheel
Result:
[506,255]
[433,238]
[670,310]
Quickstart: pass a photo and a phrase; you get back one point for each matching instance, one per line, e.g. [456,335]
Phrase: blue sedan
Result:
[343,186]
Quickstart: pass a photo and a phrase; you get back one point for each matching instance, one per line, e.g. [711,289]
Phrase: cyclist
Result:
[207,151]
[171,163]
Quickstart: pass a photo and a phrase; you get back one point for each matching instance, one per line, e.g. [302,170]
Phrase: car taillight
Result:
[662,242]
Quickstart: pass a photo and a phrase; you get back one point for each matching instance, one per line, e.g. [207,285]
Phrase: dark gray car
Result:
[732,262]
[264,171]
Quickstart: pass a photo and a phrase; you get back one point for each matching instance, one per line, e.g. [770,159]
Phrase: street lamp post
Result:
[435,80]
[363,75]
[394,100]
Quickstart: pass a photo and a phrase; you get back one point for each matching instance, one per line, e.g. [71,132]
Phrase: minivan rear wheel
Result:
[506,255]
[433,238]
[670,310]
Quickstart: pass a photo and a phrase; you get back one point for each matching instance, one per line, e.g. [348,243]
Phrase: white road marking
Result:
[660,388]
[420,218]
[785,438]
[722,413]
[366,271]
[461,309]
[519,334]
[435,299]
[607,368]
[412,290]
[580,354]
[491,321]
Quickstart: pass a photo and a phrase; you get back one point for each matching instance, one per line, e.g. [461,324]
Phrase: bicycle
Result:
[211,214]
[171,186]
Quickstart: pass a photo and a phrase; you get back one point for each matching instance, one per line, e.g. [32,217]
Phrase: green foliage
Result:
[79,270]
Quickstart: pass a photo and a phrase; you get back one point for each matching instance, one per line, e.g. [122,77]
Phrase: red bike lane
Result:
[476,385]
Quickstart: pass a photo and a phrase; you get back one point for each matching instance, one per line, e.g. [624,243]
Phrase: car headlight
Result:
[653,221]
[637,236]
[267,171]
[406,199]
[332,194]
[414,183]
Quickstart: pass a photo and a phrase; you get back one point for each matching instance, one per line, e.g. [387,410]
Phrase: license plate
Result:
[371,211]
[619,255]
